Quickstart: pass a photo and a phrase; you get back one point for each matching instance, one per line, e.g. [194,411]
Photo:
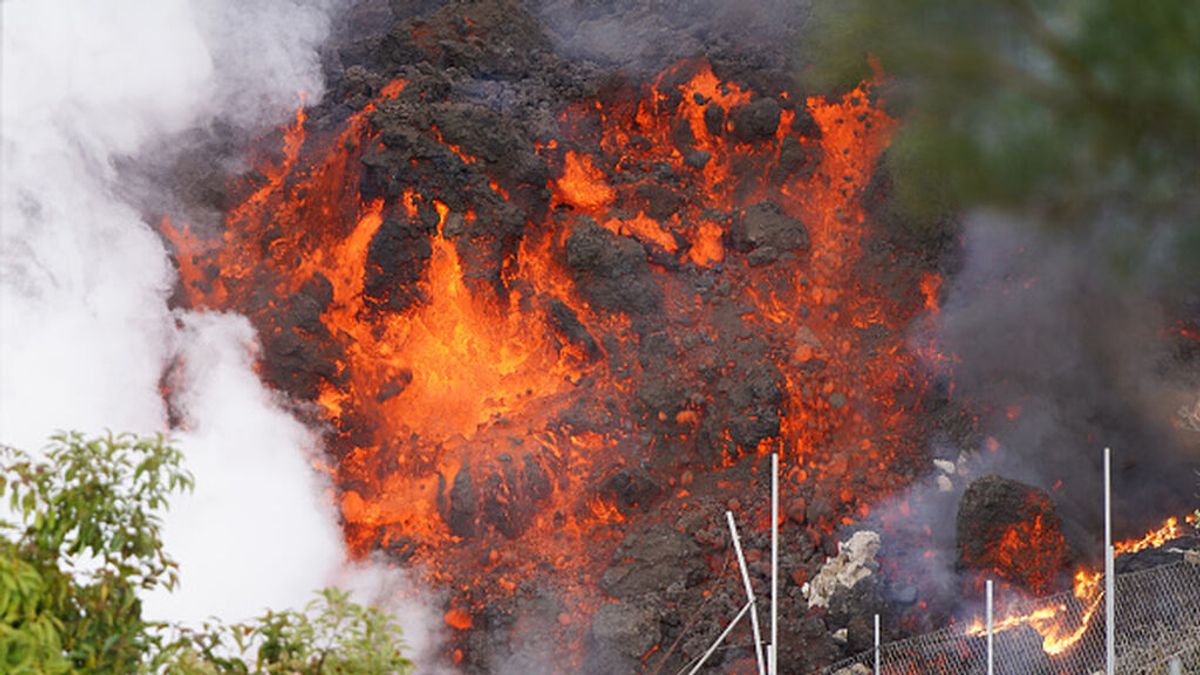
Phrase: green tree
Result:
[331,636]
[83,540]
[1071,113]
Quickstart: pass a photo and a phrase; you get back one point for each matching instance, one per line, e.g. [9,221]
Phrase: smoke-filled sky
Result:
[85,329]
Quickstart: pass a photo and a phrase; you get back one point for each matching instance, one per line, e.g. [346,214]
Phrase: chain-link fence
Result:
[1157,616]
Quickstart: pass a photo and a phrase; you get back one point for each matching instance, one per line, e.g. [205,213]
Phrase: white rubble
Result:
[854,562]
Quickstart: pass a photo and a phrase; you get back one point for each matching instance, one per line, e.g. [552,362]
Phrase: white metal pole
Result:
[1110,624]
[990,658]
[737,547]
[1175,666]
[876,644]
[774,649]
[721,638]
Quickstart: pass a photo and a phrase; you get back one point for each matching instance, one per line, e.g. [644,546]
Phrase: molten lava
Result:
[1062,623]
[1031,552]
[492,420]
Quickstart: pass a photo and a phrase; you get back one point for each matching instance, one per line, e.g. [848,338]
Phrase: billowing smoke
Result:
[85,327]
[1062,350]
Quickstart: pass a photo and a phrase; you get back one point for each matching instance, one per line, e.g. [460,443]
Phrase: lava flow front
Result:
[1062,622]
[521,342]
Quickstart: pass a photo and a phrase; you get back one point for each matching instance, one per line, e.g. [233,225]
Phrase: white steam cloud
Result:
[85,329]
[254,519]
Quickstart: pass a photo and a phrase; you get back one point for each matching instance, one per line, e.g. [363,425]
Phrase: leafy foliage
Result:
[333,635]
[85,540]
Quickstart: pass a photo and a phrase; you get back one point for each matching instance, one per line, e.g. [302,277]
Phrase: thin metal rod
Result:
[991,668]
[876,644]
[737,547]
[1110,624]
[721,638]
[773,667]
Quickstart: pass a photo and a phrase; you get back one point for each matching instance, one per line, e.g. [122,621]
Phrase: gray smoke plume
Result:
[1062,353]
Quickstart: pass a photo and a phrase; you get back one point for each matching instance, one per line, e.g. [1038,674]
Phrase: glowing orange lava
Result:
[454,415]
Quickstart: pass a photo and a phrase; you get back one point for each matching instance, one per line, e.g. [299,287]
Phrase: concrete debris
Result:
[854,562]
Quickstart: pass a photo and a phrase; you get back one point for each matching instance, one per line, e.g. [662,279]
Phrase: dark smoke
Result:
[1061,353]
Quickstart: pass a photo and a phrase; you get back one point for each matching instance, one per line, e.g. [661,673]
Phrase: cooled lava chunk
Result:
[1011,530]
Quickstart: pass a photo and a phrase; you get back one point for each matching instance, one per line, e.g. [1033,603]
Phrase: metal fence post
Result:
[990,655]
[773,652]
[876,644]
[741,559]
[721,638]
[1110,624]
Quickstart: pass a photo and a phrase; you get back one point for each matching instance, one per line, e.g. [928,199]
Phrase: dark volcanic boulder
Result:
[1011,529]
[611,270]
[765,232]
[756,121]
[396,261]
[650,561]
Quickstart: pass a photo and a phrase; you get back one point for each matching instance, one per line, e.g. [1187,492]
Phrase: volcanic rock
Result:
[797,510]
[631,489]
[714,119]
[570,327]
[1170,552]
[756,121]
[298,363]
[796,159]
[479,129]
[750,401]
[298,355]
[485,135]
[463,504]
[626,628]
[1012,529]
[651,560]
[612,270]
[396,260]
[660,202]
[765,232]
